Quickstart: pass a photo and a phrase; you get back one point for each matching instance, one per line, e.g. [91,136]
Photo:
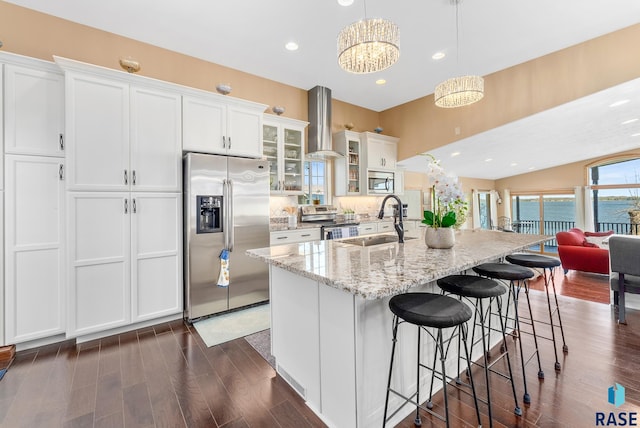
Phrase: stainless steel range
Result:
[327,216]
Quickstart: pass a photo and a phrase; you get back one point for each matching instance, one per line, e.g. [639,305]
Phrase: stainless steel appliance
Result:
[226,207]
[327,216]
[380,182]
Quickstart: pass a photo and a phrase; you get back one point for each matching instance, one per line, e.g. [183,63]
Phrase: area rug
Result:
[233,325]
[261,342]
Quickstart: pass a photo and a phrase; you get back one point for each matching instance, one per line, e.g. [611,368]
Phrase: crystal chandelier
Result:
[368,46]
[459,91]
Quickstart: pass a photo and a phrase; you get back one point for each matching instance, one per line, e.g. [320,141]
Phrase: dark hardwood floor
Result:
[165,376]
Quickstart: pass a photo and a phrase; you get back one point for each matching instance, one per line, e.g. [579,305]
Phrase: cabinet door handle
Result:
[61,172]
[133,201]
[306,235]
[61,142]
[282,237]
[126,206]
[126,177]
[224,142]
[229,142]
[133,177]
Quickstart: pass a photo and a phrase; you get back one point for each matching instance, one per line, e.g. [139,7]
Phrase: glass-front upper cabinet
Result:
[283,146]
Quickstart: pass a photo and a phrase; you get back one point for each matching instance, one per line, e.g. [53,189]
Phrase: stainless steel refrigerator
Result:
[226,207]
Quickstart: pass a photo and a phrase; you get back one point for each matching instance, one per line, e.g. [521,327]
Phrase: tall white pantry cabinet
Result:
[124,202]
[34,209]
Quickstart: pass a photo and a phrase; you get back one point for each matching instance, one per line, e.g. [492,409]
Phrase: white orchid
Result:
[449,207]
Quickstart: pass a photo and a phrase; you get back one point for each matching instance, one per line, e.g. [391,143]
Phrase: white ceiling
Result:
[493,34]
[586,128]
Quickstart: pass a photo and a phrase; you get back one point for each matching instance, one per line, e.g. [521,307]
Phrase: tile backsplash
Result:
[361,205]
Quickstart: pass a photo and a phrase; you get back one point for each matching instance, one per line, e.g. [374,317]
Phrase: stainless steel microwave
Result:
[380,182]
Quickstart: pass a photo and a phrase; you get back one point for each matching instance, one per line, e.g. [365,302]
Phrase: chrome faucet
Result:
[398,226]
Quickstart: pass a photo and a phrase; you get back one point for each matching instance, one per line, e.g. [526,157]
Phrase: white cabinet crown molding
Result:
[25,61]
[67,64]
[287,121]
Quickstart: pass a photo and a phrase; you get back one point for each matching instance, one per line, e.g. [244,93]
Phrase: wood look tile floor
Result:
[165,376]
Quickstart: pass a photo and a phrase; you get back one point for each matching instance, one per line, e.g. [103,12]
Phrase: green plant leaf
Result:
[449,219]
[429,218]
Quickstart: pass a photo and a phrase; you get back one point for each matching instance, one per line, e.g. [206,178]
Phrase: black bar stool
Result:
[517,276]
[476,289]
[439,312]
[547,265]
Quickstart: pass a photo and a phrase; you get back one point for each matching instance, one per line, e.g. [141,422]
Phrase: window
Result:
[315,183]
[616,196]
[484,209]
[543,213]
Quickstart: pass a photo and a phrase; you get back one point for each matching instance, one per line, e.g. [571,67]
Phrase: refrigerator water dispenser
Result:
[209,209]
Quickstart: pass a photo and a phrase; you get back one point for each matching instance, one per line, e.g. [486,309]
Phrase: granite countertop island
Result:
[331,324]
[387,269]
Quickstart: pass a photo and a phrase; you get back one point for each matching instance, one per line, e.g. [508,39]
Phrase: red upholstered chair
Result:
[577,253]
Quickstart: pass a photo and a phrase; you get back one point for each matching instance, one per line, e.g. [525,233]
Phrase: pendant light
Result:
[459,91]
[368,45]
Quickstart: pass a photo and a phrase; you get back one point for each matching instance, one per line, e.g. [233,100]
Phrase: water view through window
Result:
[615,195]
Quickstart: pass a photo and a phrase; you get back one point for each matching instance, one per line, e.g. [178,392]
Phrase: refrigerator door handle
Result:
[230,215]
[225,213]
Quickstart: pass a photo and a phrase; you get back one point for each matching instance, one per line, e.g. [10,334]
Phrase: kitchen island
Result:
[330,321]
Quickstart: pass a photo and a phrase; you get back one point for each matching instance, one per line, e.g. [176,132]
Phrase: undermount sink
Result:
[367,241]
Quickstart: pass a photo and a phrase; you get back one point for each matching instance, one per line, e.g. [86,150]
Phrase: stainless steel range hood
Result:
[319,145]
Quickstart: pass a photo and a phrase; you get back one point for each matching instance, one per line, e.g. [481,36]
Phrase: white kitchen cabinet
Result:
[348,170]
[385,226]
[1,168]
[367,228]
[381,151]
[156,250]
[281,237]
[156,131]
[283,146]
[123,131]
[33,111]
[99,261]
[97,117]
[217,124]
[2,281]
[125,259]
[34,248]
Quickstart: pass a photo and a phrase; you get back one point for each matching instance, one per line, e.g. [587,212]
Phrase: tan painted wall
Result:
[518,92]
[556,179]
[34,34]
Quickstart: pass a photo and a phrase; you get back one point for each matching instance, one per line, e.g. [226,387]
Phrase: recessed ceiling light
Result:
[626,122]
[619,103]
[438,55]
[514,164]
[380,82]
[488,160]
[455,154]
[345,2]
[291,46]
[532,168]
[637,134]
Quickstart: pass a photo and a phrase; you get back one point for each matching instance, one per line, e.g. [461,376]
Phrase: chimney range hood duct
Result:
[319,145]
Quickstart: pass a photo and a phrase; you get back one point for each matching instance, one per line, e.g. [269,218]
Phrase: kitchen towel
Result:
[223,277]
